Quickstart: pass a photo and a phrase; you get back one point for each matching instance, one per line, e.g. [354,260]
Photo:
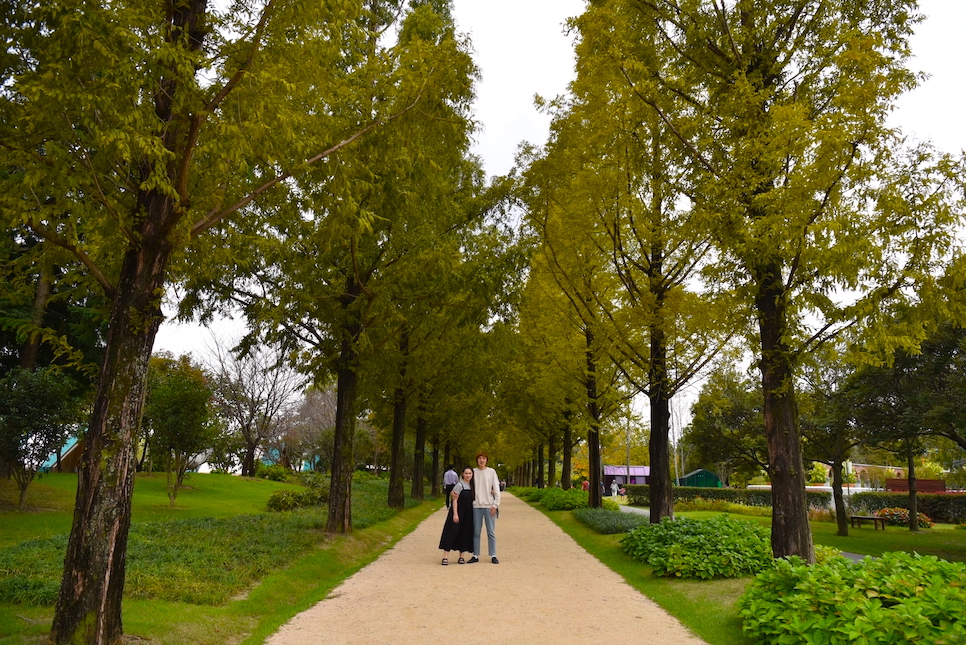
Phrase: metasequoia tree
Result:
[129,130]
[819,212]
[619,179]
[359,245]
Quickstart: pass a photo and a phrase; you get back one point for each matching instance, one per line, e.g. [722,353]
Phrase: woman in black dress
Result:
[458,529]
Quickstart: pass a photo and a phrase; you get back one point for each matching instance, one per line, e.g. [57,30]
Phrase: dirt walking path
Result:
[546,590]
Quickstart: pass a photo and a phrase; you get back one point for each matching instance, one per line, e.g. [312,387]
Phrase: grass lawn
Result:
[708,607]
[216,569]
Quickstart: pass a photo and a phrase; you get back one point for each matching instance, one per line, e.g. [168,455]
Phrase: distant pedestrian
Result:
[585,485]
[613,489]
[449,480]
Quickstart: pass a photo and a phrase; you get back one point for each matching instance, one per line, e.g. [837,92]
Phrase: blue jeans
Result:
[481,515]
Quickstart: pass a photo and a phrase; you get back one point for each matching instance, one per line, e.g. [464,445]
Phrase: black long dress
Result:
[459,537]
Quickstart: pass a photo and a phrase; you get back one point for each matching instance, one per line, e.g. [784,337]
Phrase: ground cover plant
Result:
[898,598]
[609,522]
[213,580]
[715,548]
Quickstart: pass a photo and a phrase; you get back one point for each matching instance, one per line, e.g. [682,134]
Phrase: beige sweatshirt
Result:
[486,488]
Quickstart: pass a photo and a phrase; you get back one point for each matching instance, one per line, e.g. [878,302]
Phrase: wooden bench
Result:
[876,521]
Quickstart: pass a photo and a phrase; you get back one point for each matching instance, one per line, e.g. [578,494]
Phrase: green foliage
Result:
[608,522]
[315,494]
[948,508]
[638,494]
[900,517]
[557,499]
[610,505]
[273,472]
[723,506]
[824,553]
[898,598]
[717,548]
[817,474]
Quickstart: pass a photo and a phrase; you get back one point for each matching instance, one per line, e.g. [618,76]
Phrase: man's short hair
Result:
[481,454]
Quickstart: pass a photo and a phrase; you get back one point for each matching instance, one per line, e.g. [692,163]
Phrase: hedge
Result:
[948,508]
[639,495]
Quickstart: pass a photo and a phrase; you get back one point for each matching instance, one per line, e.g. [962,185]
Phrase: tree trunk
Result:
[437,489]
[541,474]
[551,462]
[790,532]
[566,476]
[89,604]
[419,458]
[596,499]
[30,349]
[913,499]
[397,498]
[841,514]
[661,494]
[343,458]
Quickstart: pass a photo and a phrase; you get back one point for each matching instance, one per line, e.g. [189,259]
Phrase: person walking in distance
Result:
[486,507]
[449,481]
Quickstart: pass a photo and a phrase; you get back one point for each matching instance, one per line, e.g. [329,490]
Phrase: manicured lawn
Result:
[273,565]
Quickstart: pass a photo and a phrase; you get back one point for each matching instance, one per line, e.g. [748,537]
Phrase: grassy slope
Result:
[249,618]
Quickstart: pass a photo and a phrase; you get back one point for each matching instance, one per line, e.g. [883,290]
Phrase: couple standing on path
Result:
[477,493]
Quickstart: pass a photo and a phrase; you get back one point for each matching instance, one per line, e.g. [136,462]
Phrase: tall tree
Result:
[818,212]
[125,154]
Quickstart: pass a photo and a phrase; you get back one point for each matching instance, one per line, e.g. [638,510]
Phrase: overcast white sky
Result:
[522,50]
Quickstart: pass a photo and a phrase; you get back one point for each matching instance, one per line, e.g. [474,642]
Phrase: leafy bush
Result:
[717,548]
[275,472]
[824,553]
[315,494]
[724,506]
[610,522]
[949,508]
[900,517]
[610,505]
[639,495]
[898,598]
[557,499]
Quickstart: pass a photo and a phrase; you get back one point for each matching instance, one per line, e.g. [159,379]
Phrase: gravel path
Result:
[546,590]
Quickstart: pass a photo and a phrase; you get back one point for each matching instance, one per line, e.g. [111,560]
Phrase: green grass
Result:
[708,607]
[256,570]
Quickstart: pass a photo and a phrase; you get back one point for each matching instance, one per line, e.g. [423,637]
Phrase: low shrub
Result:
[949,508]
[639,495]
[821,515]
[557,499]
[274,472]
[824,553]
[609,504]
[724,506]
[315,494]
[900,517]
[898,598]
[609,522]
[716,548]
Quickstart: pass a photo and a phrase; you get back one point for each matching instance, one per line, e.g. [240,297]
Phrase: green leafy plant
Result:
[717,548]
[557,499]
[898,598]
[900,517]
[608,522]
[275,472]
[315,494]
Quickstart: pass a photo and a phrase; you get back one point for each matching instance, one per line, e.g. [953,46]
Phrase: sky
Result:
[522,49]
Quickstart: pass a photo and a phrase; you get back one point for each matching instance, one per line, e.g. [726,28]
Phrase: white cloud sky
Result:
[522,50]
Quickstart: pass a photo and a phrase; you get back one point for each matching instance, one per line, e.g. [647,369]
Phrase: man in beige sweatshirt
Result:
[486,506]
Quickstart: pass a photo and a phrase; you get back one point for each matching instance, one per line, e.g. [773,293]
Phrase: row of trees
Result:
[719,178]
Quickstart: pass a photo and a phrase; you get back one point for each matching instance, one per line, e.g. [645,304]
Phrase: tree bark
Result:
[541,474]
[596,499]
[790,532]
[397,498]
[89,604]
[566,476]
[913,498]
[841,515]
[419,458]
[551,461]
[661,494]
[343,458]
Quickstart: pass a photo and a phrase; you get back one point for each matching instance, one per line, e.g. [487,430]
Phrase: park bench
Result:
[876,521]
